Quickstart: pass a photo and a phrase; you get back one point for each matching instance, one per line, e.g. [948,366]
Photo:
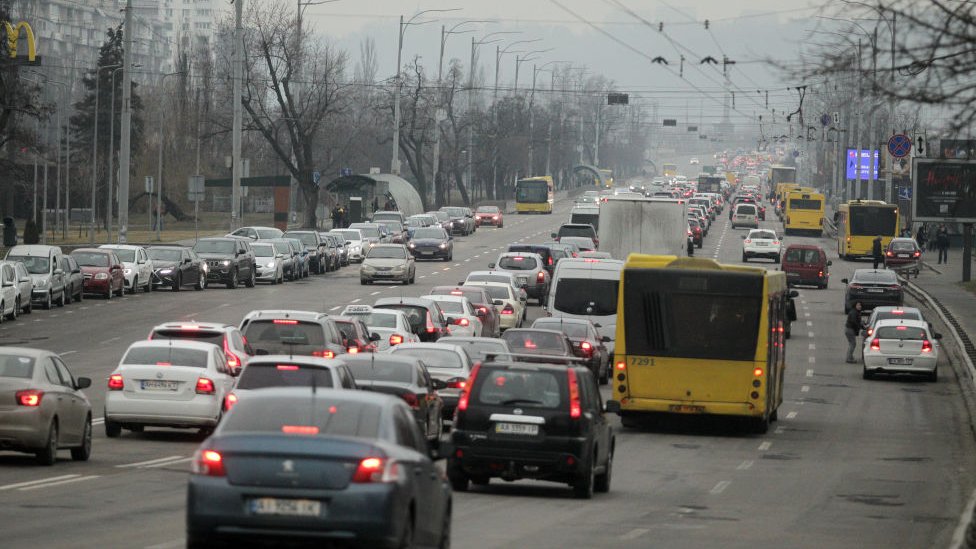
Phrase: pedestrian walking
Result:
[335,217]
[876,252]
[852,329]
[920,237]
[942,243]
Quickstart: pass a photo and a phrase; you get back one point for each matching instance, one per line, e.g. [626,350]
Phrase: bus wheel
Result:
[775,415]
[760,426]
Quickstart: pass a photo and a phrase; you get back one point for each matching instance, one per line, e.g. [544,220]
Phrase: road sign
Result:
[868,164]
[836,117]
[149,184]
[944,190]
[825,120]
[905,193]
[195,184]
[899,145]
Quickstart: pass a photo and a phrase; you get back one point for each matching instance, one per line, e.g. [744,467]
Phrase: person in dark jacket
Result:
[852,328]
[921,237]
[876,252]
[942,243]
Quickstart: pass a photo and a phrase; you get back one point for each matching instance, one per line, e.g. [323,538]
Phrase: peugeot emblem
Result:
[159,375]
[288,466]
[517,411]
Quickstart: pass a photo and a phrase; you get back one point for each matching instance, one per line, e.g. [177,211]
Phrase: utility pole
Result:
[890,195]
[395,161]
[857,130]
[125,141]
[238,75]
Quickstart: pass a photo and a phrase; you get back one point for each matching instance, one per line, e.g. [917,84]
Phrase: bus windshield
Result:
[532,191]
[873,221]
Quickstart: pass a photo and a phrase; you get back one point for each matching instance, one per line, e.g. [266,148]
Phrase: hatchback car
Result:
[270,263]
[762,243]
[24,284]
[388,262]
[888,313]
[529,270]
[459,313]
[576,229]
[236,350]
[806,264]
[426,319]
[432,243]
[137,266]
[745,215]
[349,467]
[42,408]
[356,244]
[546,422]
[103,271]
[391,325]
[489,215]
[462,223]
[903,254]
[288,332]
[74,280]
[356,335]
[449,363]
[554,344]
[482,302]
[269,371]
[508,302]
[587,342]
[167,383]
[902,346]
[873,287]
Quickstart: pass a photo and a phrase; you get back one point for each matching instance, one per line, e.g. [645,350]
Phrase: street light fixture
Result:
[64,88]
[520,60]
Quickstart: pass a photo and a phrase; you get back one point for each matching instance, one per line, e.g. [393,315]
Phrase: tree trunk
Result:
[459,182]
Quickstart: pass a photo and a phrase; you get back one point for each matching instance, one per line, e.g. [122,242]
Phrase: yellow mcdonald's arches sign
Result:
[13,36]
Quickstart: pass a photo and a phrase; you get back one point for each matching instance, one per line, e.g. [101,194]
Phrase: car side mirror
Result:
[82,383]
[829,263]
[491,265]
[7,283]
[142,262]
[438,384]
[794,293]
[374,336]
[611,407]
[497,302]
[58,271]
[552,235]
[597,325]
[606,339]
[937,336]
[844,280]
[187,260]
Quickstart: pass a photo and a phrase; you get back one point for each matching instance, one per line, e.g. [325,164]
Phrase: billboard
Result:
[868,164]
[944,190]
[13,36]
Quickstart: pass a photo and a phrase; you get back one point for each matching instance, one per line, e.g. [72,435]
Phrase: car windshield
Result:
[526,389]
[165,254]
[351,235]
[34,264]
[413,222]
[454,212]
[387,252]
[517,263]
[322,416]
[260,375]
[207,336]
[91,259]
[533,341]
[166,356]
[263,250]
[488,210]
[225,247]
[416,315]
[900,332]
[126,255]
[378,369]
[434,358]
[283,248]
[586,296]
[430,232]
[283,334]
[571,329]
[17,366]
[268,233]
[377,319]
[745,209]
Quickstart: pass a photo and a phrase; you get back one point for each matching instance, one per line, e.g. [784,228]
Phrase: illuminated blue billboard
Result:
[868,164]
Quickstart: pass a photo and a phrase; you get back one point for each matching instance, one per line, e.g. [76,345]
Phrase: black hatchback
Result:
[873,287]
[517,420]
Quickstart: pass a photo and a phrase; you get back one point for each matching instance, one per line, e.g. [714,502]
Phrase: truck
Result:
[710,183]
[657,226]
[781,174]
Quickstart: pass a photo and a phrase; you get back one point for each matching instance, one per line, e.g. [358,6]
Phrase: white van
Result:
[745,215]
[47,268]
[587,288]
[586,214]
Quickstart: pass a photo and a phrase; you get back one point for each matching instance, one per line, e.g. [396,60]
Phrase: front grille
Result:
[213,262]
[87,276]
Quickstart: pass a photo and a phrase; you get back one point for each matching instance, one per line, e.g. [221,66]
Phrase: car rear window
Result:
[434,358]
[800,255]
[207,336]
[903,246]
[900,332]
[416,315]
[284,332]
[526,389]
[377,319]
[379,370]
[517,263]
[166,356]
[763,235]
[331,417]
[451,306]
[876,277]
[531,341]
[745,209]
[906,315]
[488,278]
[259,375]
[579,230]
[571,329]
[586,296]
[17,366]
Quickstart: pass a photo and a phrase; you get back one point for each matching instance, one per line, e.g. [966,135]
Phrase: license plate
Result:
[159,385]
[902,255]
[426,253]
[687,409]
[522,280]
[762,243]
[286,507]
[875,290]
[900,361]
[793,275]
[516,429]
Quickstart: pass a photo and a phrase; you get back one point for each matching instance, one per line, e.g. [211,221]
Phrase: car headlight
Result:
[101,276]
[225,263]
[165,271]
[412,245]
[42,283]
[443,246]
[127,272]
[368,268]
[270,265]
[399,269]
[355,249]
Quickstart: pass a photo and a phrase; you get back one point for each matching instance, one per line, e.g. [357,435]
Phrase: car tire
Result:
[200,283]
[49,454]
[61,299]
[406,538]
[445,539]
[866,374]
[252,279]
[700,244]
[108,294]
[81,295]
[362,281]
[121,290]
[49,302]
[232,282]
[459,481]
[602,481]
[135,285]
[16,311]
[149,285]
[30,306]
[776,258]
[83,452]
[745,258]
[933,376]
[583,486]
[112,429]
[70,294]
[178,282]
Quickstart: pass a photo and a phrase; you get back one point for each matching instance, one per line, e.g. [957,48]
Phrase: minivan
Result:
[587,214]
[806,264]
[587,288]
[745,215]
[46,266]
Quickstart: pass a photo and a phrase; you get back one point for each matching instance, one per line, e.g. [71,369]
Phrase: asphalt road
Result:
[851,463]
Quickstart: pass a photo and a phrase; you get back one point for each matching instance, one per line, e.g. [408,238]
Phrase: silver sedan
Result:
[388,262]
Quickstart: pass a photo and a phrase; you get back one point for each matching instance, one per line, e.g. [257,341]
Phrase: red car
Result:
[103,271]
[489,215]
[903,254]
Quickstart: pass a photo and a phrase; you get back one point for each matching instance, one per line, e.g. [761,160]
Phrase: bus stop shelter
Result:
[357,193]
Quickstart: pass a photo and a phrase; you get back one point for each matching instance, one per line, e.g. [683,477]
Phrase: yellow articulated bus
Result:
[804,213]
[670,170]
[859,222]
[534,195]
[698,337]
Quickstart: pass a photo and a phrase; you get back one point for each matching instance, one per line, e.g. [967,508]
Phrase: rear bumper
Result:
[871,301]
[561,462]
[201,411]
[650,405]
[919,365]
[23,429]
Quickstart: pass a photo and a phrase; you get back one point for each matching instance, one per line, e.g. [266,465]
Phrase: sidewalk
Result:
[942,282]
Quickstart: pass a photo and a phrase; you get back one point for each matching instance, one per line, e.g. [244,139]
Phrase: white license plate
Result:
[286,507]
[160,385]
[902,255]
[517,429]
[522,280]
[762,243]
[426,253]
[900,361]
[875,290]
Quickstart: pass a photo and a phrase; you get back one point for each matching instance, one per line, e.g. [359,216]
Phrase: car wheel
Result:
[49,454]
[362,281]
[121,289]
[30,306]
[81,295]
[135,285]
[933,376]
[459,480]
[112,429]
[70,294]
[445,542]
[252,279]
[149,285]
[61,299]
[602,483]
[745,258]
[83,452]
[700,244]
[583,486]
[49,302]
[232,283]
[199,285]
[178,282]
[2,315]
[196,541]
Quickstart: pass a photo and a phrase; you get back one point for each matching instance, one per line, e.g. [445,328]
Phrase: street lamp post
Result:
[159,166]
[111,161]
[94,162]
[520,60]
[535,73]
[57,194]
[499,52]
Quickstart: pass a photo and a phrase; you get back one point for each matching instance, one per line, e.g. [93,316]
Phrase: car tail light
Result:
[229,401]
[209,463]
[462,322]
[621,365]
[300,429]
[457,292]
[894,287]
[29,397]
[575,408]
[870,331]
[926,346]
[854,286]
[587,348]
[411,400]
[328,353]
[115,382]
[205,386]
[374,469]
[758,372]
[233,361]
[396,339]
[508,310]
[776,242]
[353,350]
[549,261]
[917,253]
[748,241]
[875,344]
[495,217]
[483,310]
[462,404]
[457,383]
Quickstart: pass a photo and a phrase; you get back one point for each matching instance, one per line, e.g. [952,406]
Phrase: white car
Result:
[762,243]
[694,161]
[136,264]
[902,346]
[392,325]
[509,304]
[25,285]
[460,313]
[289,371]
[504,277]
[257,233]
[10,303]
[745,215]
[358,245]
[167,383]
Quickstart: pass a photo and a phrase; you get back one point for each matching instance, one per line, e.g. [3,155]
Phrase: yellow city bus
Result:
[698,337]
[670,170]
[859,222]
[534,195]
[607,176]
[804,213]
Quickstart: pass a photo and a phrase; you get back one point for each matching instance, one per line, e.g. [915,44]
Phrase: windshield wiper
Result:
[523,400]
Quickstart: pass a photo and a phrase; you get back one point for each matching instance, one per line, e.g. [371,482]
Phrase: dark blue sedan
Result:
[432,243]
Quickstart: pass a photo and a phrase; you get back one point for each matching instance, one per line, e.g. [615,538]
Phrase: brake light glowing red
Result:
[374,469]
[457,292]
[115,382]
[300,429]
[462,322]
[926,346]
[287,367]
[890,254]
[508,310]
[229,401]
[457,383]
[748,241]
[396,339]
[328,353]
[205,386]
[466,393]
[285,321]
[209,463]
[233,361]
[411,400]
[875,344]
[575,408]
[353,350]
[29,397]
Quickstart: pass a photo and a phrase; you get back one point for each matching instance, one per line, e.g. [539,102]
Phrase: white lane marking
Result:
[745,465]
[635,533]
[791,415]
[59,483]
[805,389]
[467,260]
[165,464]
[811,359]
[720,487]
[457,264]
[422,276]
[32,482]
[445,269]
[221,306]
[812,346]
[811,334]
[116,338]
[375,293]
[809,373]
[765,446]
[803,301]
[809,323]
[168,545]
[806,314]
[68,353]
[334,308]
[68,312]
[191,315]
[357,300]
[98,421]
[37,320]
[85,308]
[149,462]
[780,430]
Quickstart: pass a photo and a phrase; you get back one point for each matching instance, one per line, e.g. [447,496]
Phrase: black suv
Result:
[306,333]
[516,420]
[577,229]
[318,250]
[229,260]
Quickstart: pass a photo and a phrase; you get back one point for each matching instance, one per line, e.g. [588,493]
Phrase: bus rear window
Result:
[873,221]
[804,204]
